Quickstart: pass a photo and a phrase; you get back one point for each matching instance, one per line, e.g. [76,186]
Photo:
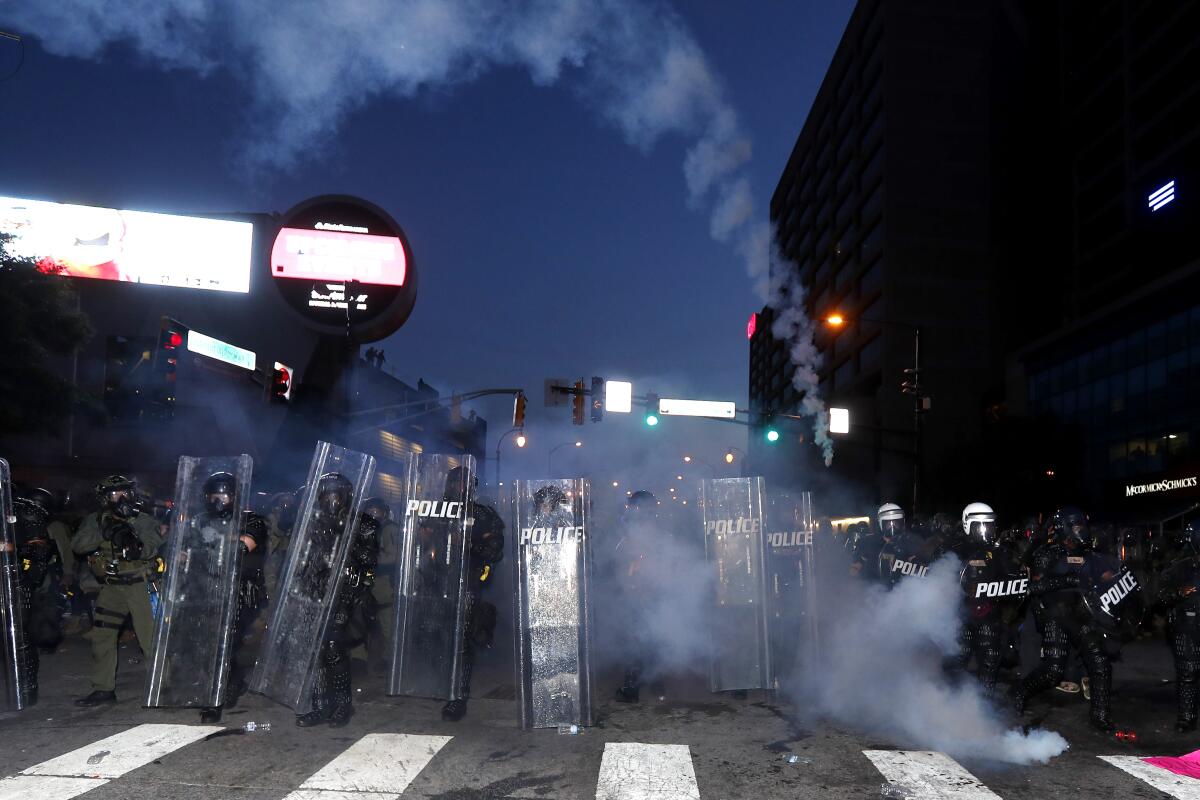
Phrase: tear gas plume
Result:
[880,669]
[308,65]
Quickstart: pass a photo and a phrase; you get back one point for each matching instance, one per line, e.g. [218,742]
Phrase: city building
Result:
[150,398]
[1121,377]
[906,203]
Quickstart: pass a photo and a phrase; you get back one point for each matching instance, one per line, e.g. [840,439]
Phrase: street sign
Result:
[222,351]
[839,420]
[618,397]
[719,409]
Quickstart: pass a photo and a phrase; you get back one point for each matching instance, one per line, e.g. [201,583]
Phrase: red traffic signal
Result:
[281,383]
[171,336]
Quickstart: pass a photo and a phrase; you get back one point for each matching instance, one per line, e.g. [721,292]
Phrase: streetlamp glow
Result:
[835,320]
[521,440]
[729,458]
[687,459]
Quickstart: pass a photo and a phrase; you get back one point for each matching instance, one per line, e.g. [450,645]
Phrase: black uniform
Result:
[1057,574]
[479,625]
[38,557]
[332,697]
[993,587]
[252,597]
[1179,592]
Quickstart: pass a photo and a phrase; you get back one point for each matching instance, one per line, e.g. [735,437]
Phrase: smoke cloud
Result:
[880,670]
[309,64]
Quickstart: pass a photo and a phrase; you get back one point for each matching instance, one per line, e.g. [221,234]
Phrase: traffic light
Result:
[281,383]
[597,399]
[578,399]
[911,383]
[651,410]
[171,337]
[519,412]
[770,429]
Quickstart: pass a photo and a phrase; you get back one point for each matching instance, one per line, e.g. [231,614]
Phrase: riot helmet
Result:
[891,519]
[1069,525]
[548,498]
[29,515]
[333,493]
[219,492]
[116,494]
[378,509]
[456,483]
[43,498]
[979,523]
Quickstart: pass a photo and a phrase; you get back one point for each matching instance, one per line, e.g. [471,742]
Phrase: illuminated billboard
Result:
[322,255]
[344,266]
[131,246]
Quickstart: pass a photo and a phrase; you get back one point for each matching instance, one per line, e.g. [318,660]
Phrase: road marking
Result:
[1178,786]
[45,787]
[928,775]
[631,771]
[379,766]
[70,775]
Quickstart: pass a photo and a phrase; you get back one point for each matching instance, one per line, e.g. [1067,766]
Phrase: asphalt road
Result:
[692,744]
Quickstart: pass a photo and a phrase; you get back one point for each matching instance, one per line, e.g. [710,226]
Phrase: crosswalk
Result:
[382,766]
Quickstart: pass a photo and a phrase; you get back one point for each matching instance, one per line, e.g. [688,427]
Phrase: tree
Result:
[39,319]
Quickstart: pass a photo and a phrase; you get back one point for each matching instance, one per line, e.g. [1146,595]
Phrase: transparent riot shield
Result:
[308,585]
[193,636]
[552,603]
[431,576]
[791,582]
[13,667]
[733,544]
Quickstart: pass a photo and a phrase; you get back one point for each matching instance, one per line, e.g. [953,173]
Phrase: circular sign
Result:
[345,267]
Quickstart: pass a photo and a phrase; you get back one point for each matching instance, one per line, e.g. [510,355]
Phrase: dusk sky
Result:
[546,243]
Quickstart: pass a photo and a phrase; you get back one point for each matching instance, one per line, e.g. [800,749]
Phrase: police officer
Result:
[1057,571]
[121,546]
[332,692]
[989,579]
[639,521]
[909,551]
[37,557]
[867,553]
[479,627]
[220,491]
[1179,592]
[380,611]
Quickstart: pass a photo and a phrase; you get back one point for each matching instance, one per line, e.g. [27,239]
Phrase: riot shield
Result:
[1114,604]
[733,543]
[552,604]
[791,581]
[193,636]
[312,574]
[13,667]
[906,556]
[431,577]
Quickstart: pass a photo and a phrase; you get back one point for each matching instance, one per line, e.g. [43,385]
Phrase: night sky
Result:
[546,244]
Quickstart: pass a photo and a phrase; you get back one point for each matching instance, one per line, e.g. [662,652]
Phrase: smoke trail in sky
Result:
[308,64]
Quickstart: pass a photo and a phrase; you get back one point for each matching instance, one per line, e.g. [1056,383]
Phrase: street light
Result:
[837,320]
[520,442]
[550,455]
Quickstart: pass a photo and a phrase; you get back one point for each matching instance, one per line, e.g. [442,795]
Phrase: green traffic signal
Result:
[772,435]
[651,420]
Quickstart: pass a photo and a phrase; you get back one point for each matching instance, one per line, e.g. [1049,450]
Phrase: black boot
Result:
[341,714]
[1186,694]
[454,710]
[97,698]
[630,689]
[211,715]
[314,717]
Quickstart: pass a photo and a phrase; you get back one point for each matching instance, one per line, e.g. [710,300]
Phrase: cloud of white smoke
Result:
[308,64]
[880,670]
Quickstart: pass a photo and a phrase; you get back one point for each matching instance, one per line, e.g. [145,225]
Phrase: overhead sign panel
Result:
[222,351]
[130,246]
[334,255]
[618,397]
[697,408]
[839,420]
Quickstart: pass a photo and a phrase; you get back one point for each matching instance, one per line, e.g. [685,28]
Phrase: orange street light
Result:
[835,320]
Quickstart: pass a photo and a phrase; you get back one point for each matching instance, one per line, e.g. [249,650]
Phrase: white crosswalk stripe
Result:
[94,765]
[929,776]
[379,766]
[1178,786]
[630,771]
